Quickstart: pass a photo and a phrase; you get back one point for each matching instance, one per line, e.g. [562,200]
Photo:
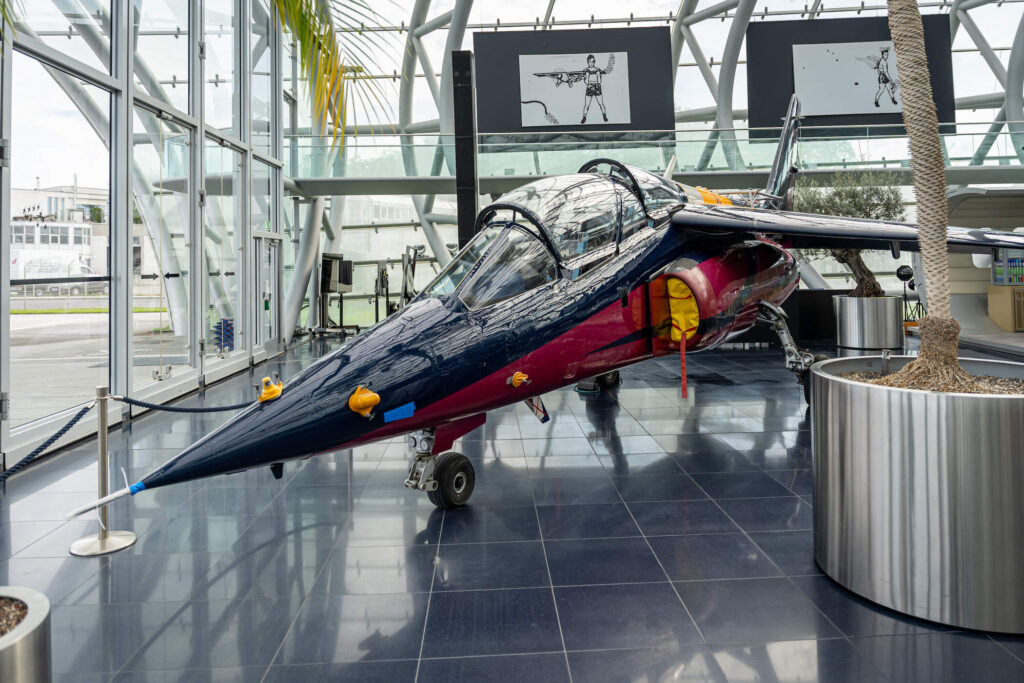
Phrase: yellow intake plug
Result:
[270,390]
[363,401]
[518,379]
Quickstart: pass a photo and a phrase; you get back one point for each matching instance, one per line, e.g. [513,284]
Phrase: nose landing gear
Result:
[448,478]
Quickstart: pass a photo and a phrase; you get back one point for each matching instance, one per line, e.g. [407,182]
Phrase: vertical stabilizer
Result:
[780,180]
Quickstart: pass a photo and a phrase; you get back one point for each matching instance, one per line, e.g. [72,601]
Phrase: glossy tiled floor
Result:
[636,537]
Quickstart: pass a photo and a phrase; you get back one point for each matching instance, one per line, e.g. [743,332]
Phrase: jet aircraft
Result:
[566,278]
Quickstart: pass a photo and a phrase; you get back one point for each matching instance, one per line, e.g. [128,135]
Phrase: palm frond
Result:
[335,54]
[9,11]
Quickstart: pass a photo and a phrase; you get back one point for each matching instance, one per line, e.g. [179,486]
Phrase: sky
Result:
[52,141]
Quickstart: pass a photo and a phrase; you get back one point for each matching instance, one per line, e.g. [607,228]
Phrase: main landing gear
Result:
[448,478]
[798,360]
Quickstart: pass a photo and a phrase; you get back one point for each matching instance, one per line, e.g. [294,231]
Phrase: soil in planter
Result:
[12,611]
[986,383]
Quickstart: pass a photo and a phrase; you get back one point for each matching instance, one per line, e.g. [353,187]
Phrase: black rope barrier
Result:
[180,409]
[24,462]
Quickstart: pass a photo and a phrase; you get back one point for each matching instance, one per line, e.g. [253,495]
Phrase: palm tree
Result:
[937,367]
[332,66]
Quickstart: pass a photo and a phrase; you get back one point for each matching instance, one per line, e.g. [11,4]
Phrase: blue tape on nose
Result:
[135,488]
[400,413]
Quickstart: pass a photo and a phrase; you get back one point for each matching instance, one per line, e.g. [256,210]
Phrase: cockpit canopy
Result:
[561,226]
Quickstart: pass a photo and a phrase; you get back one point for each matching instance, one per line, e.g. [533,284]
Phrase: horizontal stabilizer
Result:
[811,231]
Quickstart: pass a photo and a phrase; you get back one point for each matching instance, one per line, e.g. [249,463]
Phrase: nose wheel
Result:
[455,481]
[448,479]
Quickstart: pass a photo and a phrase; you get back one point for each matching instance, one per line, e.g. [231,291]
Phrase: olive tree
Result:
[857,195]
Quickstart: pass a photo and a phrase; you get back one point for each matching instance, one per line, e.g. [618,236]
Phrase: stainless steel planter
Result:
[25,651]
[869,322]
[919,496]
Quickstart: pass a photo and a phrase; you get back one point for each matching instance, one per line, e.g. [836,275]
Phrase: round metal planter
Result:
[873,323]
[25,650]
[919,496]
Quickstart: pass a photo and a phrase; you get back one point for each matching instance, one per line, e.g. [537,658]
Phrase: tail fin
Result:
[780,180]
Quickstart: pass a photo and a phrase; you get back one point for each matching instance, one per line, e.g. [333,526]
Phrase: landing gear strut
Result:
[798,360]
[448,478]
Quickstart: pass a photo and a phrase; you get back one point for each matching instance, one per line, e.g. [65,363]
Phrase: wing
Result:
[870,61]
[805,230]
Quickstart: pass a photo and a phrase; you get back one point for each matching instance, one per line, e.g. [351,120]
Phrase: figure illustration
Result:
[592,76]
[887,84]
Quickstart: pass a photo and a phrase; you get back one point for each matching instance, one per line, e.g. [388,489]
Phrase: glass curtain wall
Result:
[181,204]
[60,181]
[221,99]
[223,240]
[161,157]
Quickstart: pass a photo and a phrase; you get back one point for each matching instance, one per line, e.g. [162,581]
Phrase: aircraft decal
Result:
[401,412]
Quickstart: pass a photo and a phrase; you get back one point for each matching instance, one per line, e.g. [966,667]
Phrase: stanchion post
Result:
[105,541]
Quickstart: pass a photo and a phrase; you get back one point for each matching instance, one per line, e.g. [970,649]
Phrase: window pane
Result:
[262,197]
[453,274]
[633,218]
[58,332]
[518,264]
[160,338]
[65,26]
[261,43]
[222,245]
[220,96]
[582,217]
[161,52]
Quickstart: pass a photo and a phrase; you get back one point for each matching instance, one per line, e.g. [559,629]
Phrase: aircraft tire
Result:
[455,481]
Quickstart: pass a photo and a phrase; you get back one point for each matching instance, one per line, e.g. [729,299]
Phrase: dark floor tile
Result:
[623,616]
[541,668]
[713,461]
[492,622]
[694,444]
[800,482]
[586,521]
[740,485]
[561,490]
[793,551]
[711,556]
[216,634]
[209,675]
[352,672]
[670,486]
[491,565]
[688,664]
[364,571]
[643,464]
[753,611]
[855,616]
[603,560]
[559,466]
[673,518]
[769,514]
[474,524]
[1013,644]
[354,628]
[941,658]
[822,661]
[98,638]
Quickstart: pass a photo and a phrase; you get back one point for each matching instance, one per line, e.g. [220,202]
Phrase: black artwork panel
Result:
[770,72]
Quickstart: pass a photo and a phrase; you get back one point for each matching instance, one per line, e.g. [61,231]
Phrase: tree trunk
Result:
[867,283]
[936,368]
